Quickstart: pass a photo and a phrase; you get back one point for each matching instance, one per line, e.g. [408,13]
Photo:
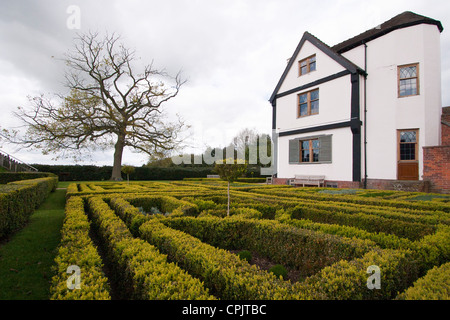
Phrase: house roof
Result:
[403,20]
[347,64]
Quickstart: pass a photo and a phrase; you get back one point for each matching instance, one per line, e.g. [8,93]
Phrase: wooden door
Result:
[408,155]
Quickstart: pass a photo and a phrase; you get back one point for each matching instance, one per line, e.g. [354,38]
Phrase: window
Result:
[408,80]
[307,65]
[309,150]
[308,103]
[407,145]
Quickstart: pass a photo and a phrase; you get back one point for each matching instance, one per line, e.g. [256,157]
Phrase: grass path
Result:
[26,260]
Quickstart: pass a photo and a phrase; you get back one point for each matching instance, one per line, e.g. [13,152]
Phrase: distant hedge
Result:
[7,177]
[19,199]
[96,173]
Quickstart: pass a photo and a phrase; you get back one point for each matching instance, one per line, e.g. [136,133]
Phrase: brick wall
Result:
[445,126]
[436,168]
[279,181]
[436,160]
[398,185]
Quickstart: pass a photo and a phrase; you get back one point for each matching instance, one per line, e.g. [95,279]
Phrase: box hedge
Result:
[139,267]
[77,248]
[19,199]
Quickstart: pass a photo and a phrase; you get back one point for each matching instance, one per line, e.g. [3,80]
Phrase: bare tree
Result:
[109,105]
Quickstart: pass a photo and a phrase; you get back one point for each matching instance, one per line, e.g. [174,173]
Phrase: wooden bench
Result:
[308,180]
[212,176]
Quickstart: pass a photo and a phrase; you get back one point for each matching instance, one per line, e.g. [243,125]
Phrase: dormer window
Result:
[307,65]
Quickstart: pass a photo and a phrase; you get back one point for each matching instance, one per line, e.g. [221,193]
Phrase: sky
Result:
[232,54]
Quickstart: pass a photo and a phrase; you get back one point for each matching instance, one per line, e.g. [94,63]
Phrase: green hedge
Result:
[19,199]
[305,250]
[223,272]
[139,267]
[77,248]
[95,173]
[386,241]
[368,222]
[6,177]
[310,194]
[164,204]
[347,280]
[435,285]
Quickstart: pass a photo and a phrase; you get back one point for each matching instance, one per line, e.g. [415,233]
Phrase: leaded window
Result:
[408,80]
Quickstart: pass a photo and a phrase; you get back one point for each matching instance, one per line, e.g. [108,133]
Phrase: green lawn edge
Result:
[26,260]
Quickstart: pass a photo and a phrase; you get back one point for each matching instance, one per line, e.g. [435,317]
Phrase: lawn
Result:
[26,259]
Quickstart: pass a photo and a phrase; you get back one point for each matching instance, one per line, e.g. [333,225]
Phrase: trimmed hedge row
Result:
[347,280]
[312,194]
[435,285]
[95,173]
[385,241]
[19,199]
[165,204]
[305,250]
[6,177]
[141,269]
[223,272]
[371,223]
[76,248]
[243,180]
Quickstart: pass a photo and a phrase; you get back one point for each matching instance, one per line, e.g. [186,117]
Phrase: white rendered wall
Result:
[339,169]
[325,67]
[386,112]
[334,106]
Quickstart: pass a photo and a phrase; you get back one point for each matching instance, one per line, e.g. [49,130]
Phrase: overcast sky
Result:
[231,52]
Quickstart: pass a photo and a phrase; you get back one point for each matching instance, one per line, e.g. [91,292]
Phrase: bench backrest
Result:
[309,177]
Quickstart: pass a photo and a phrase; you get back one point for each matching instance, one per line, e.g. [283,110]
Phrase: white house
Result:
[362,109]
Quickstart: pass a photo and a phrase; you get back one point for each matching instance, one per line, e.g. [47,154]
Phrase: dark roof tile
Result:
[403,20]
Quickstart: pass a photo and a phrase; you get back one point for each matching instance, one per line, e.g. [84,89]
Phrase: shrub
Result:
[76,248]
[371,223]
[6,177]
[223,272]
[19,199]
[435,285]
[279,271]
[305,250]
[245,255]
[141,269]
[347,280]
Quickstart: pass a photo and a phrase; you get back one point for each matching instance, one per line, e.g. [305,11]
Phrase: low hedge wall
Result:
[384,240]
[77,248]
[305,250]
[435,285]
[224,273]
[369,222]
[347,280]
[164,204]
[6,177]
[313,194]
[95,173]
[140,268]
[19,199]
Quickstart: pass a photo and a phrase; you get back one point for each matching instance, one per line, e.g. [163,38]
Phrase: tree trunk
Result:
[228,204]
[117,166]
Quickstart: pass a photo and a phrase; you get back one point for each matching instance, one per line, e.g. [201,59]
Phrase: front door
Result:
[408,155]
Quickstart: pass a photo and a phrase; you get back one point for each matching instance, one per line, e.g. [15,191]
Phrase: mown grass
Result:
[26,259]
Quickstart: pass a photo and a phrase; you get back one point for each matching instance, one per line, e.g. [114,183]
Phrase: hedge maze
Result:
[173,240]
